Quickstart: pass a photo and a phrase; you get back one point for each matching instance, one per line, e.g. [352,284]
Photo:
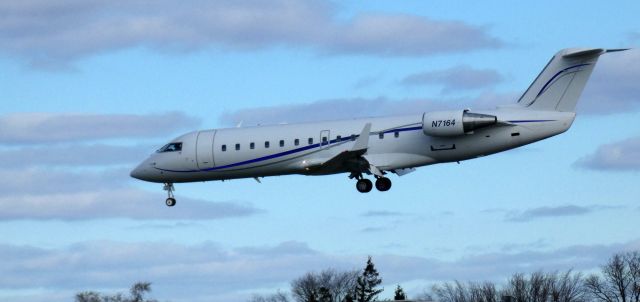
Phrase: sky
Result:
[90,88]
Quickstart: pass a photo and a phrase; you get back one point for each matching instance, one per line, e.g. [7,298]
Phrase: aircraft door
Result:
[325,139]
[204,149]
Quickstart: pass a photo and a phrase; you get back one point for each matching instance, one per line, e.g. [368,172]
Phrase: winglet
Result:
[362,143]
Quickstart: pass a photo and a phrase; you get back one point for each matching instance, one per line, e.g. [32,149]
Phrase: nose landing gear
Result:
[171,201]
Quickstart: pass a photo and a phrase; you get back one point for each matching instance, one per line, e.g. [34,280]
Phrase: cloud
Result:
[203,270]
[619,156]
[375,229]
[41,128]
[558,211]
[613,88]
[46,181]
[358,107]
[383,213]
[39,194]
[116,203]
[461,77]
[407,35]
[208,271]
[52,33]
[73,155]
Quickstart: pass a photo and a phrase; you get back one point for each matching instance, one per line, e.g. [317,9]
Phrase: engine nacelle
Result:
[454,123]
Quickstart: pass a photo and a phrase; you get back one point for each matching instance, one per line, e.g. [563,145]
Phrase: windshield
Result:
[170,147]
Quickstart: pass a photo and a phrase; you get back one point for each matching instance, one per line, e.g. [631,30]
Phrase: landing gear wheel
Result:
[383,184]
[364,185]
[171,201]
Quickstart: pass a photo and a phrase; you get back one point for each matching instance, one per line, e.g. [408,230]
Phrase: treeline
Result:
[617,281]
[137,293]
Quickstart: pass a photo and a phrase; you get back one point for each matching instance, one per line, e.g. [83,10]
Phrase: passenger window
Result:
[353,137]
[252,145]
[396,134]
[338,138]
[296,142]
[266,144]
[224,148]
[171,147]
[324,140]
[281,143]
[310,141]
[381,135]
[237,147]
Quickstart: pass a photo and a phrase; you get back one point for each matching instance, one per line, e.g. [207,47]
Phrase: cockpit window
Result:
[170,147]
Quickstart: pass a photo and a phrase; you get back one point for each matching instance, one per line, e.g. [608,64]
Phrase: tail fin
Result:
[559,85]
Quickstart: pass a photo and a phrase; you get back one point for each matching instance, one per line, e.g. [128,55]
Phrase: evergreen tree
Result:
[366,290]
[399,295]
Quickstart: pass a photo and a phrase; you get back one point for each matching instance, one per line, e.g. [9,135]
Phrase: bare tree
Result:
[633,263]
[328,285]
[619,280]
[517,287]
[568,287]
[137,292]
[88,296]
[277,297]
[460,292]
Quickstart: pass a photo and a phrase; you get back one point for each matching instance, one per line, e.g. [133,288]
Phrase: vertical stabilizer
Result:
[559,85]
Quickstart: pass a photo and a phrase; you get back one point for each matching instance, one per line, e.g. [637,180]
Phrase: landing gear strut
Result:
[171,201]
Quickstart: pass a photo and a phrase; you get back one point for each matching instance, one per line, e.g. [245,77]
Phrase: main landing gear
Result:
[171,201]
[383,184]
[364,185]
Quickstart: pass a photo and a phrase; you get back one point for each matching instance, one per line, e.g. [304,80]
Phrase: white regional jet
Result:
[378,145]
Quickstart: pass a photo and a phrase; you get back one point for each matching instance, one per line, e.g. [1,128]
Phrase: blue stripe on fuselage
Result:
[289,152]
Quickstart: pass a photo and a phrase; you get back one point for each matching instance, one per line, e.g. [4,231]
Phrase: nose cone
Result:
[144,171]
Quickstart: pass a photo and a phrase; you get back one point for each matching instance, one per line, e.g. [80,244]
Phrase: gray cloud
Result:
[328,109]
[39,194]
[38,128]
[50,33]
[407,35]
[558,211]
[73,155]
[619,156]
[357,107]
[116,203]
[211,273]
[382,214]
[461,77]
[47,181]
[614,85]
[375,229]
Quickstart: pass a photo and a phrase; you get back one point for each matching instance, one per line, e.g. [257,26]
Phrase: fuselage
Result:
[395,143]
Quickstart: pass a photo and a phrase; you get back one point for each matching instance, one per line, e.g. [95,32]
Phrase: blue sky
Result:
[90,88]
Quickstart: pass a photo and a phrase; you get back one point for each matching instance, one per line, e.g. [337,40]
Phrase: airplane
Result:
[377,146]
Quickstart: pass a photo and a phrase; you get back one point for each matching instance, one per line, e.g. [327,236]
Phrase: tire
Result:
[383,184]
[364,185]
[170,202]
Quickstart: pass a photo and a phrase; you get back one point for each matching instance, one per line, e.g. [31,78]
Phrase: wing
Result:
[349,160]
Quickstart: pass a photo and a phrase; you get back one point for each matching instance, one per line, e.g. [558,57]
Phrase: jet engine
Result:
[454,123]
